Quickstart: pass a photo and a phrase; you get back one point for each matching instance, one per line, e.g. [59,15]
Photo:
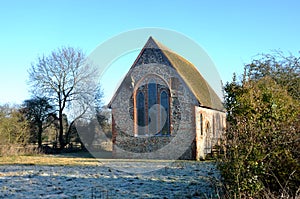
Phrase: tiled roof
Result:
[189,73]
[192,77]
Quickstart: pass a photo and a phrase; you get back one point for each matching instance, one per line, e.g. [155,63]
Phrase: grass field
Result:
[76,159]
[81,176]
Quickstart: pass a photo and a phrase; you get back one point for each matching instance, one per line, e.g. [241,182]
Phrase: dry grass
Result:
[48,160]
[12,149]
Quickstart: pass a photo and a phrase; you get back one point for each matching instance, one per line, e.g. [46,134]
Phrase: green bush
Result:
[14,128]
[262,140]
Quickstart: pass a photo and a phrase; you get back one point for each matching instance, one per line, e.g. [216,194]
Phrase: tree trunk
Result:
[40,131]
[61,130]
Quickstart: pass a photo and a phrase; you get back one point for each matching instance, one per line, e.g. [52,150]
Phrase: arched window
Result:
[140,111]
[201,124]
[149,119]
[164,102]
[208,138]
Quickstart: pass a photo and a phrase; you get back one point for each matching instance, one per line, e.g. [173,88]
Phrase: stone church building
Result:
[164,109]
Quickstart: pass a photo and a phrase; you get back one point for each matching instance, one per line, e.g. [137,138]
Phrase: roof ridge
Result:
[173,58]
[160,45]
[190,74]
[165,48]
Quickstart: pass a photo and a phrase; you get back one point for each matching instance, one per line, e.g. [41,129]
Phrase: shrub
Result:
[261,141]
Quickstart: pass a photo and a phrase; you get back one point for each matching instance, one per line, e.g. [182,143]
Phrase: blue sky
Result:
[231,32]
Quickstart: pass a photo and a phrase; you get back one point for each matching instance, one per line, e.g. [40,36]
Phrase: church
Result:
[165,109]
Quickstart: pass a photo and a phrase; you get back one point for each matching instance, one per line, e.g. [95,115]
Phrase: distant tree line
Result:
[65,91]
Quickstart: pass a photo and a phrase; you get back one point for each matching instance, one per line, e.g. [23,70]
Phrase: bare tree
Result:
[68,80]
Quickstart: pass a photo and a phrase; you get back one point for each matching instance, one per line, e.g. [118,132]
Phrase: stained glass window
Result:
[149,115]
[152,100]
[164,101]
[152,93]
[140,111]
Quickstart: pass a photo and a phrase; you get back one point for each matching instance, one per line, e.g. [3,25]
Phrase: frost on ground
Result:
[180,179]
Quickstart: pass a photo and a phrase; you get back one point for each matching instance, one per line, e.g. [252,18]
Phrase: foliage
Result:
[14,128]
[68,80]
[284,70]
[87,123]
[40,114]
[262,138]
[95,132]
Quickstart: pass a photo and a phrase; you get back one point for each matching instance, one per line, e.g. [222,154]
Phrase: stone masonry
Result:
[193,129]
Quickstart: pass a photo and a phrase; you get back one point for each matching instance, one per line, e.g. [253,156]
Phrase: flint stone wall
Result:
[180,143]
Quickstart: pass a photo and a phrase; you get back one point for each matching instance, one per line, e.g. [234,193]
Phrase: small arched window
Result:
[208,139]
[208,130]
[201,124]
